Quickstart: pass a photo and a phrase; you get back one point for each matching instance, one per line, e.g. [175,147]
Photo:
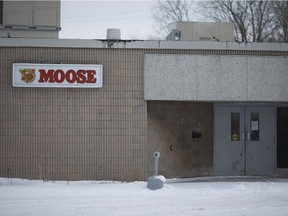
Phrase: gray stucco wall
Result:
[215,78]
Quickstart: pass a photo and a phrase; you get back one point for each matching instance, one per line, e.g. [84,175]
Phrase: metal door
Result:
[244,140]
[260,140]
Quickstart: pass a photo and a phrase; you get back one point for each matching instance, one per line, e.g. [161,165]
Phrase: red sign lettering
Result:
[71,76]
[90,76]
[59,76]
[46,77]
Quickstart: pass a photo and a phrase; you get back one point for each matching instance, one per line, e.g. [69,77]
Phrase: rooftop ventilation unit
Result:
[174,35]
[201,31]
[113,34]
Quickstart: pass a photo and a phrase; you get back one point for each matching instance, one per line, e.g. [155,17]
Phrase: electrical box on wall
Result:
[196,134]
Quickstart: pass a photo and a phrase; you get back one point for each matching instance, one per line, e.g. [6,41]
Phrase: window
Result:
[235,126]
[254,125]
[1,12]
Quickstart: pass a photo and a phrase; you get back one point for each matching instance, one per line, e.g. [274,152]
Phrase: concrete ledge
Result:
[141,44]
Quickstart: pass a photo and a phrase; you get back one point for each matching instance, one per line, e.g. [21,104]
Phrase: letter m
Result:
[46,77]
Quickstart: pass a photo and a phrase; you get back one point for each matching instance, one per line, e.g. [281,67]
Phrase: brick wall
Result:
[100,134]
[73,134]
[170,127]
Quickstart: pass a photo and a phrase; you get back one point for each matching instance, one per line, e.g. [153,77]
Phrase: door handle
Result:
[248,136]
[242,135]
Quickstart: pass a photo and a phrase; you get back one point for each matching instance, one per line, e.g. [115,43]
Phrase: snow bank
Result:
[38,198]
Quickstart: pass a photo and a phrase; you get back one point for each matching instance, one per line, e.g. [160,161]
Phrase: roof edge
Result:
[140,44]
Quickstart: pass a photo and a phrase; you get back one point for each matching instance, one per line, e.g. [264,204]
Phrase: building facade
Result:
[209,108]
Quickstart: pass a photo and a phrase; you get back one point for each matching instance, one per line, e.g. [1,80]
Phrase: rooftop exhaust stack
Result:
[113,34]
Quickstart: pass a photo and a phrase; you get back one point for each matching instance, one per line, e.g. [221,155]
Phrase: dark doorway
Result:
[282,137]
[1,12]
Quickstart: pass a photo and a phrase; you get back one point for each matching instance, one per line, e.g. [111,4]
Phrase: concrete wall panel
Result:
[221,78]
[267,79]
[216,78]
[171,77]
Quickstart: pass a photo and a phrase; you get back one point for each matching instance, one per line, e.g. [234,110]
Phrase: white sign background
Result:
[18,82]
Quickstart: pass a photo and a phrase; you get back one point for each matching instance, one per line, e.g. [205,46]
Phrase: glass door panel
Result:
[235,126]
[254,126]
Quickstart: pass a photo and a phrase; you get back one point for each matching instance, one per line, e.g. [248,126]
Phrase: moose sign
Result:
[57,75]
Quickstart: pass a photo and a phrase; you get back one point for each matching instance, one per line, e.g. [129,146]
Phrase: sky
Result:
[91,19]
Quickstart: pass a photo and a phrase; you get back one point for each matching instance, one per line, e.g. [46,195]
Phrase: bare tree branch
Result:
[280,10]
[170,11]
[254,20]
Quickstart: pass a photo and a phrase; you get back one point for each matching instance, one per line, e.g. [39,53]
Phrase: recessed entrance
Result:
[244,140]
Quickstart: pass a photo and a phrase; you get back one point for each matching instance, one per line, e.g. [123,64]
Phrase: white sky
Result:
[91,19]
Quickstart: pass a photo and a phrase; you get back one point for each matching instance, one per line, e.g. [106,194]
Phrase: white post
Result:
[156,181]
[156,157]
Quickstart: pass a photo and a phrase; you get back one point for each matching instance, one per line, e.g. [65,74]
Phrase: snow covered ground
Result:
[178,197]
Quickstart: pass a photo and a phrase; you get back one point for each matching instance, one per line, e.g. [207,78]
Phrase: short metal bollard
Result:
[156,158]
[156,181]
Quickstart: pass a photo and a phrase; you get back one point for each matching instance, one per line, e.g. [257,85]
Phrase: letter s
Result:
[81,77]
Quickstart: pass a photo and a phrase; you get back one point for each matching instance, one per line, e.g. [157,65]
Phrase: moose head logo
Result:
[27,75]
